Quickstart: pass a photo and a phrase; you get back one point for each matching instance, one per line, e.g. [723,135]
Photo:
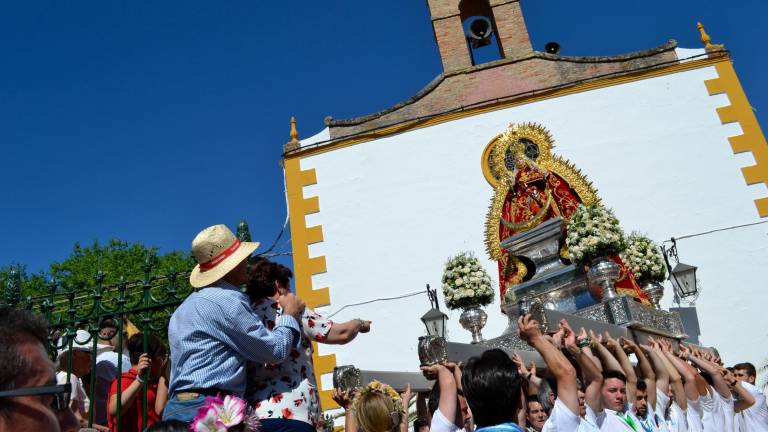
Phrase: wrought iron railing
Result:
[148,302]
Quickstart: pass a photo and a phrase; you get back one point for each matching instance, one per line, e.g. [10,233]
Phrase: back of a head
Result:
[264,274]
[375,412]
[16,327]
[155,347]
[492,388]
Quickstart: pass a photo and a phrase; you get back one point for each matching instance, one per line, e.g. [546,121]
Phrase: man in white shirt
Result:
[564,416]
[754,418]
[535,414]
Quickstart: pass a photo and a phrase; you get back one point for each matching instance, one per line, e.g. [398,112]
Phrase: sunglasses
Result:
[60,393]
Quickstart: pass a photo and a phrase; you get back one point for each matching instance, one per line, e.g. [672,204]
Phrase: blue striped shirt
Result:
[214,332]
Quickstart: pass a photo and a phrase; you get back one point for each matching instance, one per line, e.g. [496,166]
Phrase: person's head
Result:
[534,413]
[745,372]
[548,393]
[492,387]
[75,354]
[376,409]
[614,390]
[420,425]
[267,278]
[155,349]
[169,426]
[463,414]
[24,363]
[220,256]
[110,335]
[582,398]
[641,399]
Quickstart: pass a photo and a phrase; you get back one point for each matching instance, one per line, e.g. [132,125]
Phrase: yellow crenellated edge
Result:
[305,266]
[752,138]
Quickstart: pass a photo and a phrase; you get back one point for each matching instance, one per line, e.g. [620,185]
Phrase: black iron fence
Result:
[148,303]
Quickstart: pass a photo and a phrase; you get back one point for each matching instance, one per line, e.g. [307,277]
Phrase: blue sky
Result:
[147,121]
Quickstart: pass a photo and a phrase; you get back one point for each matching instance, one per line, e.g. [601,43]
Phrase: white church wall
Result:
[392,210]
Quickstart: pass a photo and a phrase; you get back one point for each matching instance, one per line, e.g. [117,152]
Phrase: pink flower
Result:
[231,412]
[207,420]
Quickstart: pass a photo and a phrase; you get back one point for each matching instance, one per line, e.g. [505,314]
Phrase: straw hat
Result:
[217,252]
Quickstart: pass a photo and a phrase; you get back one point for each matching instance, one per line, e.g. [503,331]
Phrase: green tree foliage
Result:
[118,262]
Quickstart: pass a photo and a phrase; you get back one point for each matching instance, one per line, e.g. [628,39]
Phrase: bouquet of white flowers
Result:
[593,231]
[643,257]
[466,283]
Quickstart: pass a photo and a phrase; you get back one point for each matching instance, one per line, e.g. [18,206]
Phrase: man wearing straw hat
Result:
[214,331]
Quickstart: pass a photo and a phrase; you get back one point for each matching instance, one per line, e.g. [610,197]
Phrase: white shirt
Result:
[442,424]
[651,422]
[106,372]
[713,418]
[590,421]
[614,422]
[754,418]
[561,419]
[728,412]
[676,420]
[78,395]
[694,415]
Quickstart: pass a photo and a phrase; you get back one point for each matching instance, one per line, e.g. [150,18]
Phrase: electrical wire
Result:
[376,300]
[719,230]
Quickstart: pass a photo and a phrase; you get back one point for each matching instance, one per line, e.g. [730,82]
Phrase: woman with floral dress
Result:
[285,395]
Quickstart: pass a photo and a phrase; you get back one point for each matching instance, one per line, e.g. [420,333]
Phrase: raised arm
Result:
[688,375]
[675,381]
[744,398]
[529,374]
[344,399]
[626,366]
[448,393]
[607,359]
[593,378]
[646,370]
[721,387]
[557,364]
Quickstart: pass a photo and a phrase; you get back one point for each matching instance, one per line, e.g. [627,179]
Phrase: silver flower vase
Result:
[602,274]
[655,291]
[473,319]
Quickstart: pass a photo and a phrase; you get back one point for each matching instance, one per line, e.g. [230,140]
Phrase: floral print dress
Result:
[288,390]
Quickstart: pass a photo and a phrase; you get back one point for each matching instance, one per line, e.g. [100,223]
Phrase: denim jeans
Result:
[285,425]
[183,410]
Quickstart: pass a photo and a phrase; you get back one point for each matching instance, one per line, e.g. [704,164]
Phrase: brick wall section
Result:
[479,84]
[452,44]
[512,32]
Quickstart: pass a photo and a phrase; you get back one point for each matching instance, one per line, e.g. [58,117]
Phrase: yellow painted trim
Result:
[752,139]
[304,266]
[578,88]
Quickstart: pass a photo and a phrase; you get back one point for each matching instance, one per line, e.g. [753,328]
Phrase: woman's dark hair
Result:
[169,426]
[492,388]
[155,347]
[262,278]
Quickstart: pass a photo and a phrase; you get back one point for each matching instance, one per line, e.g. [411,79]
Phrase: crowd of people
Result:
[241,359]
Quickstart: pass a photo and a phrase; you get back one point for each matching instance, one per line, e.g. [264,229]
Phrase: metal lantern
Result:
[435,322]
[434,319]
[683,278]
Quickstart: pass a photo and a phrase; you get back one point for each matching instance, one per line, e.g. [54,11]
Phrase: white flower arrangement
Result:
[593,231]
[644,259]
[466,283]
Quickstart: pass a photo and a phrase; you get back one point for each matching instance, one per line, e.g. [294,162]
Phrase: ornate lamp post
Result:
[683,276]
[434,319]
